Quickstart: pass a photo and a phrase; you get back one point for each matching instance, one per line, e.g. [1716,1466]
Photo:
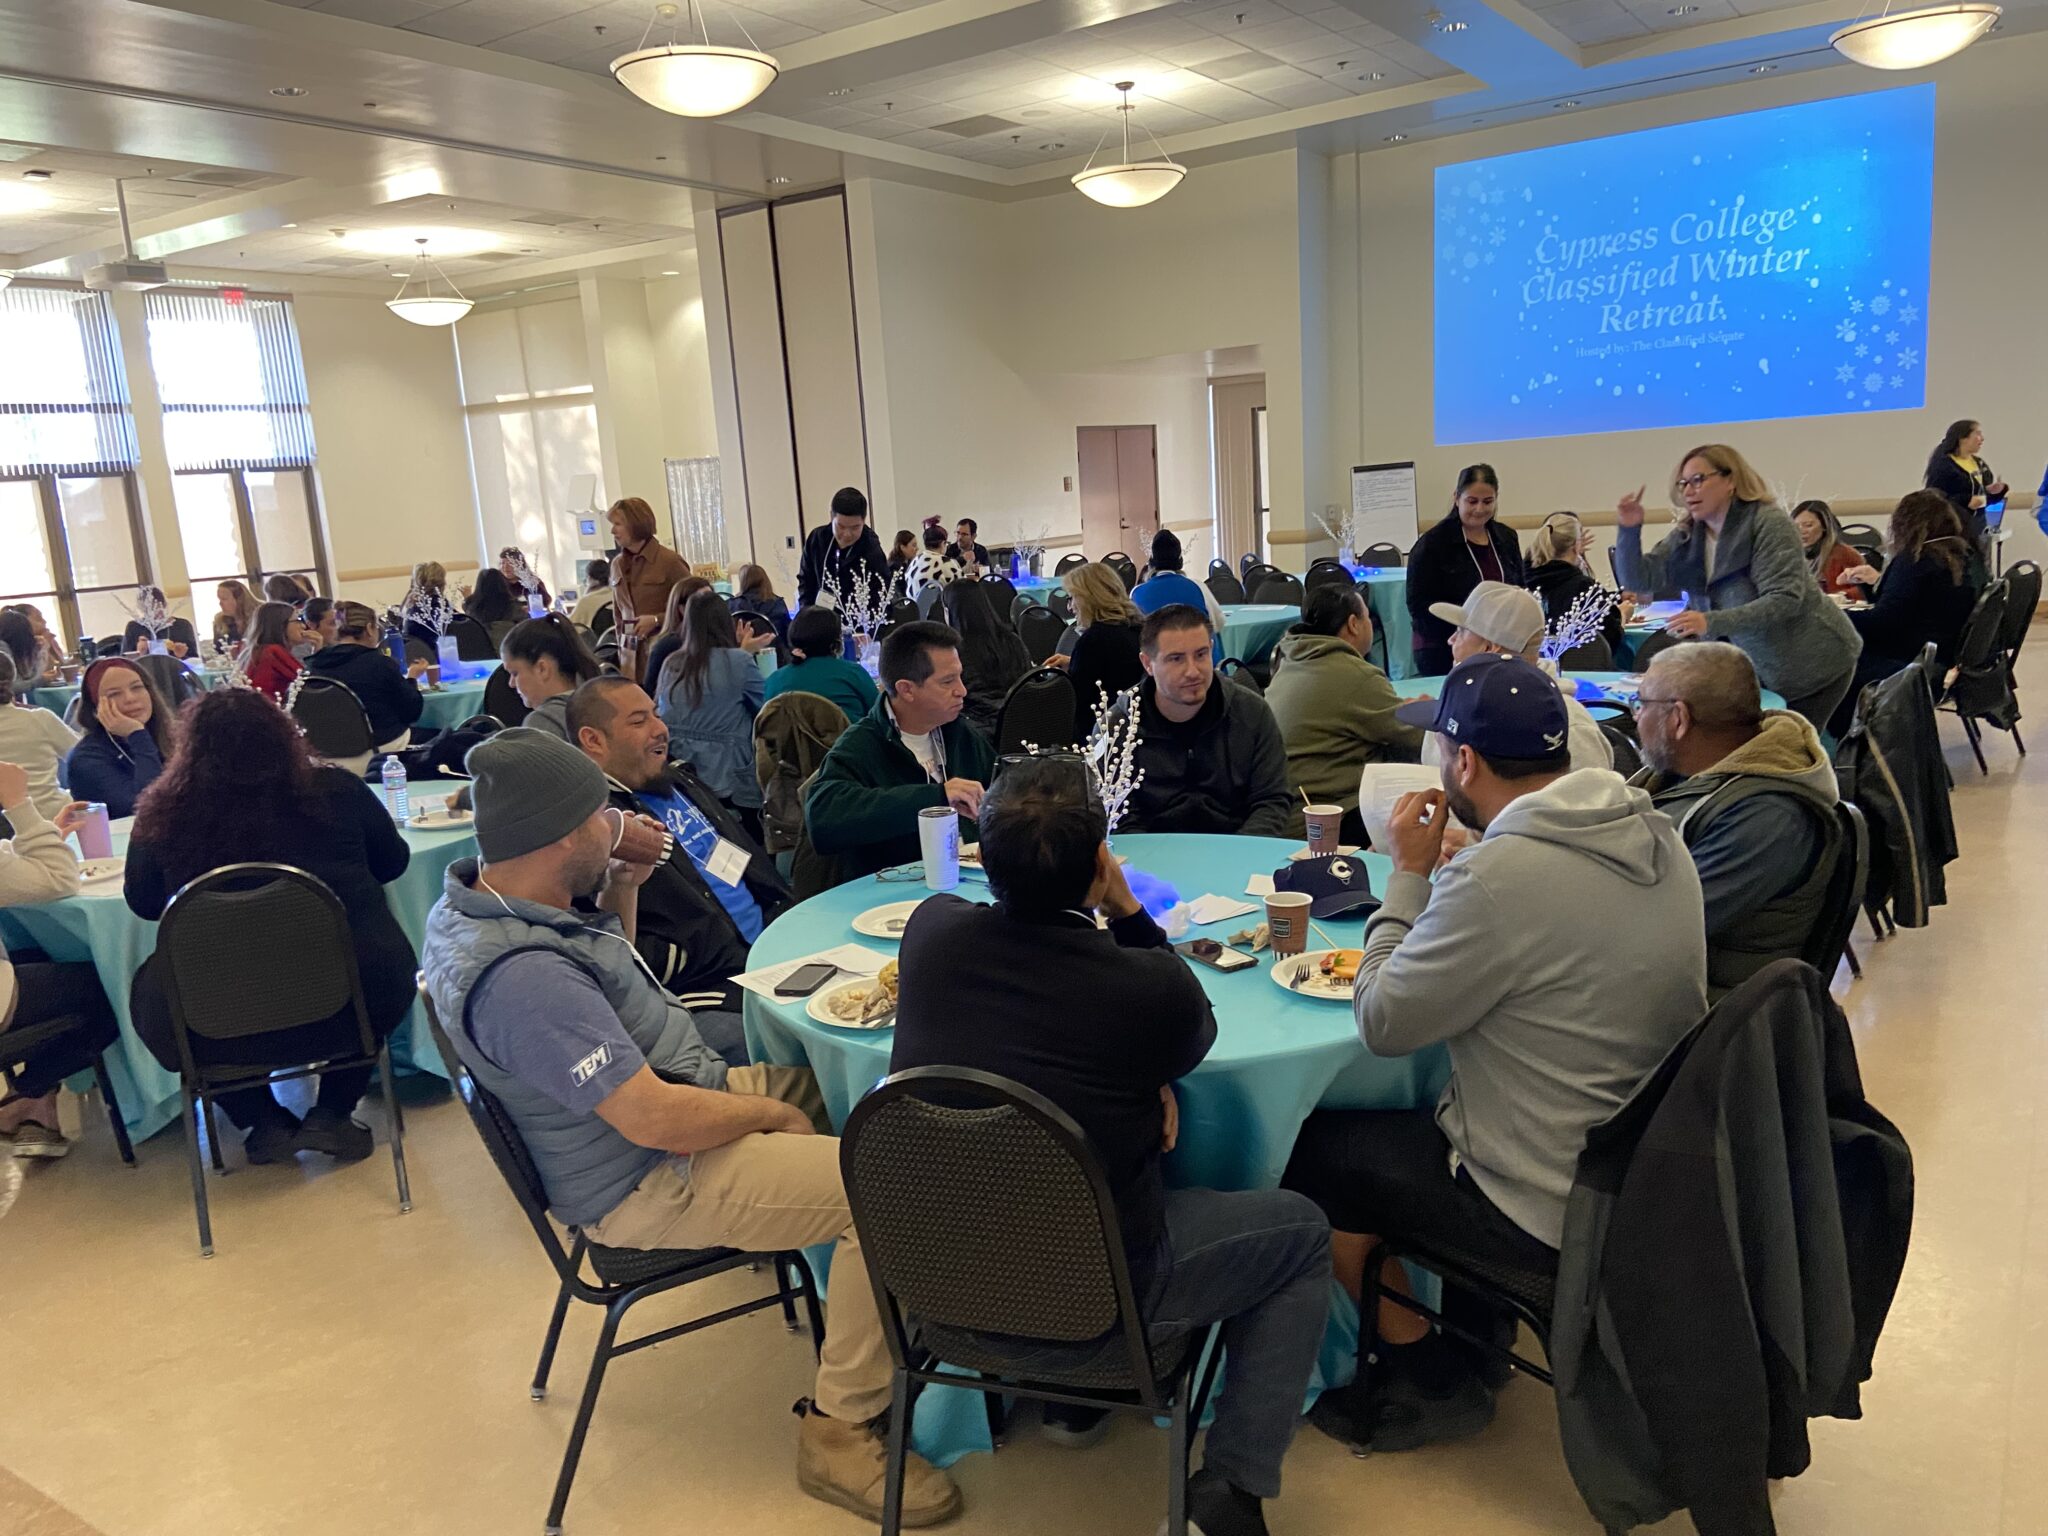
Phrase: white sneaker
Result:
[34,1139]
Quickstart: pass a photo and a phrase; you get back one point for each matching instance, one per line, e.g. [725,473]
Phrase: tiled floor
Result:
[339,1368]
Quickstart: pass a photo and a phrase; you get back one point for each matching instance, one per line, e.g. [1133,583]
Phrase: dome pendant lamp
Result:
[1129,183]
[1914,39]
[426,307]
[697,79]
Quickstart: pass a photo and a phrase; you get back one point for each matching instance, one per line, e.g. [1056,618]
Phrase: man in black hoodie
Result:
[844,549]
[706,903]
[1212,755]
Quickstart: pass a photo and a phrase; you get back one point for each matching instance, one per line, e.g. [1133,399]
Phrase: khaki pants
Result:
[765,1193]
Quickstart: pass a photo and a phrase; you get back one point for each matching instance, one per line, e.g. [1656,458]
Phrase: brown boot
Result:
[846,1464]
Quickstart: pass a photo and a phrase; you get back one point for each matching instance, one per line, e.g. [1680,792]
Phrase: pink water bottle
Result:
[95,832]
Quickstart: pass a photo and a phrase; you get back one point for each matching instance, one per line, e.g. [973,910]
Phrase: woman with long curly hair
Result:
[1924,595]
[241,787]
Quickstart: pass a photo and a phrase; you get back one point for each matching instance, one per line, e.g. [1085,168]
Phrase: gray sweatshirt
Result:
[1560,957]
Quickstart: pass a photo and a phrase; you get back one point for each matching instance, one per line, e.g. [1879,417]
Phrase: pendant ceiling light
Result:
[427,307]
[1129,183]
[697,79]
[1914,39]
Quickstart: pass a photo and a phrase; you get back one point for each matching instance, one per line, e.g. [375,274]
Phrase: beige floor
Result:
[339,1368]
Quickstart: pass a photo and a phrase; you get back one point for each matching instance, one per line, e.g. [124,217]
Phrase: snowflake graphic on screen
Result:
[1897,369]
[1891,338]
[1474,223]
[1898,381]
[1855,306]
[1881,305]
[1909,313]
[1909,357]
[1872,383]
[1845,373]
[1862,351]
[1845,330]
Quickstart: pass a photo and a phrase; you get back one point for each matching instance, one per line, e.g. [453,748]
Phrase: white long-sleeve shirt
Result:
[36,865]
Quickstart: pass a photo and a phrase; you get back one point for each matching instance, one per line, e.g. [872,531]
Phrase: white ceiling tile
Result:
[1233,15]
[1421,61]
[1656,14]
[1211,47]
[1310,93]
[1261,81]
[820,15]
[1320,44]
[1595,21]
[383,13]
[484,21]
[1288,29]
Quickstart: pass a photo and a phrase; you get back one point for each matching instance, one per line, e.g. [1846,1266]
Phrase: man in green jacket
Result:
[1335,708]
[909,753]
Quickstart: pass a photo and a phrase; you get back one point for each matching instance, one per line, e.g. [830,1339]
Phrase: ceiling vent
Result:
[975,127]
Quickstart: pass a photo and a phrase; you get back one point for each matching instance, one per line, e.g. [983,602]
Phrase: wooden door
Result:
[1119,484]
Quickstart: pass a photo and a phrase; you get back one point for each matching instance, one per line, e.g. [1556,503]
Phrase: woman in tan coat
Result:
[643,571]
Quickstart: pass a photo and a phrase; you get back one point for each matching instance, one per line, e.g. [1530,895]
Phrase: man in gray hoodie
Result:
[1557,959]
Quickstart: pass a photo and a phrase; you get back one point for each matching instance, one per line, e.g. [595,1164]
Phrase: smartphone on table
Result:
[805,979]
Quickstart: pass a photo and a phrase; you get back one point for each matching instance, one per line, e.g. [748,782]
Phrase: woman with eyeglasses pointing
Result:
[1737,560]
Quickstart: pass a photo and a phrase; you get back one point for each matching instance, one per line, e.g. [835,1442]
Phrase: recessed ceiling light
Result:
[1377,74]
[446,243]
[287,90]
[778,181]
[1764,69]
[1397,138]
[1453,26]
[529,250]
[1682,10]
[287,226]
[38,175]
[844,90]
[672,273]
[111,208]
[1560,106]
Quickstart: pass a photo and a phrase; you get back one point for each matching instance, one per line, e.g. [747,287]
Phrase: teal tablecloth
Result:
[451,704]
[1251,629]
[1387,591]
[1591,686]
[57,698]
[96,925]
[1277,1056]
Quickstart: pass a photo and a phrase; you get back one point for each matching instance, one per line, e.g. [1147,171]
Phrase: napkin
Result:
[851,959]
[1204,910]
[1259,885]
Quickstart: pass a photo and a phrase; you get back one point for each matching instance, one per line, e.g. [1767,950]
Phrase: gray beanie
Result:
[531,789]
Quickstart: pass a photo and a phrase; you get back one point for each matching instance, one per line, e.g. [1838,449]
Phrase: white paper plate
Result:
[1309,853]
[886,922]
[1300,974]
[98,871]
[441,820]
[819,1004]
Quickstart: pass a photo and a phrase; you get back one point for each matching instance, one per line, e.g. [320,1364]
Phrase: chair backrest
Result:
[1257,572]
[501,1139]
[251,949]
[1121,564]
[417,649]
[982,1207]
[1860,534]
[1223,584]
[1384,556]
[603,619]
[1593,656]
[1068,562]
[171,678]
[108,645]
[1002,596]
[2022,597]
[1844,898]
[472,640]
[1240,672]
[1040,629]
[1038,711]
[1061,602]
[501,699]
[1979,645]
[904,611]
[792,734]
[1279,588]
[1650,645]
[1325,573]
[1018,605]
[333,719]
[929,599]
[1626,750]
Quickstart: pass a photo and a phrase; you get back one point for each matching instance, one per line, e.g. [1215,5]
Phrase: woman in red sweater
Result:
[268,658]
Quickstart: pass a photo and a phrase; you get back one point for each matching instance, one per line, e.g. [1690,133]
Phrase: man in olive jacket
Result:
[1335,709]
[910,752]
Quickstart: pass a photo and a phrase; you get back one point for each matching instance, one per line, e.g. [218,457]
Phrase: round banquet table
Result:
[451,704]
[1387,591]
[58,696]
[1277,1057]
[1250,630]
[1591,688]
[97,925]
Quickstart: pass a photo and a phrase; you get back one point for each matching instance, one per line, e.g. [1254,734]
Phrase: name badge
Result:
[728,863]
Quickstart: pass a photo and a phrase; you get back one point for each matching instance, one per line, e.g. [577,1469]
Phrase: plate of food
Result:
[440,818]
[858,1004]
[886,922]
[1324,973]
[99,871]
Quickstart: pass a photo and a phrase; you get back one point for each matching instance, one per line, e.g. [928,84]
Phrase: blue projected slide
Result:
[1743,268]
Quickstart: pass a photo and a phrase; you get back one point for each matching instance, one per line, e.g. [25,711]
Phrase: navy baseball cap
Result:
[1500,706]
[1335,883]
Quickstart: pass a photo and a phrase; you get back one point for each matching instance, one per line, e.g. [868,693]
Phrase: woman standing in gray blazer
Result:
[1738,559]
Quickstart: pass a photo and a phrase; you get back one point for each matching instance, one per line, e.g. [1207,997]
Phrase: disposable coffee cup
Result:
[1322,822]
[1287,919]
[938,839]
[95,832]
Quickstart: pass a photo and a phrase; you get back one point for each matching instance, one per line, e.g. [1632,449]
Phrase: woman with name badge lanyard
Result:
[1469,545]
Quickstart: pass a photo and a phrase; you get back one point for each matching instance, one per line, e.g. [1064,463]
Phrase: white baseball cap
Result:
[1509,617]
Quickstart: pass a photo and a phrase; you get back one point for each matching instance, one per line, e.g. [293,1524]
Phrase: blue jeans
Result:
[1258,1262]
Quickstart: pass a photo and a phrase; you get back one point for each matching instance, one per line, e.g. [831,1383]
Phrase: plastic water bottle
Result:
[535,608]
[397,792]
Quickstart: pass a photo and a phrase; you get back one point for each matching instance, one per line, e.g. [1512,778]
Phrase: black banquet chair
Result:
[1648,647]
[1002,595]
[1061,602]
[1223,584]
[2022,597]
[501,700]
[1593,656]
[1038,711]
[983,1209]
[472,640]
[1281,588]
[334,722]
[1040,629]
[249,950]
[59,1047]
[1067,562]
[1981,687]
[1382,556]
[1122,565]
[624,1276]
[171,678]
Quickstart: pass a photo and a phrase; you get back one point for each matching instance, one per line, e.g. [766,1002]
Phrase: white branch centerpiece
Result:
[1579,624]
[1341,524]
[427,607]
[865,609]
[1110,753]
[1030,547]
[151,611]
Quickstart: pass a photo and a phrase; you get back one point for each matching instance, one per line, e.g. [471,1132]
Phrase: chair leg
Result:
[114,1117]
[1876,927]
[198,1170]
[900,1408]
[2016,739]
[397,1118]
[539,1389]
[573,1453]
[786,1291]
[1368,1336]
[212,1134]
[1849,954]
[1976,745]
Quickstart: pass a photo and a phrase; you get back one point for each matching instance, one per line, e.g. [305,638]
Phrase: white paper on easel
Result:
[1383,505]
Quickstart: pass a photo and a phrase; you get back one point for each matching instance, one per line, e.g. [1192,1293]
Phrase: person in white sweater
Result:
[36,865]
[33,738]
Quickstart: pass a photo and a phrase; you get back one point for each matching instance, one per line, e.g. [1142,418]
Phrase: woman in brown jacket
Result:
[643,571]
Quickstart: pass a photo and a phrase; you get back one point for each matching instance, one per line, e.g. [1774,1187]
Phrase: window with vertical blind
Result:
[239,435]
[70,539]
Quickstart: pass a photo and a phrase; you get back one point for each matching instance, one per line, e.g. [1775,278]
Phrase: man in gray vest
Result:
[1754,797]
[642,1136]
